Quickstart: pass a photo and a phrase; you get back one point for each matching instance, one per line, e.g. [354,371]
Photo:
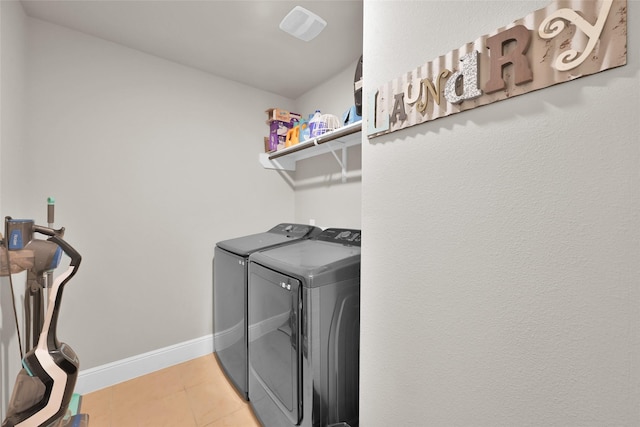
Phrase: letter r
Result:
[522,36]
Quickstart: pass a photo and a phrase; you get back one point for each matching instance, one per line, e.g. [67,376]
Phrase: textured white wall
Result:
[151,163]
[12,71]
[12,175]
[501,254]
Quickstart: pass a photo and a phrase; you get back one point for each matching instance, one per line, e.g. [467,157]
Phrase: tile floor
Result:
[191,394]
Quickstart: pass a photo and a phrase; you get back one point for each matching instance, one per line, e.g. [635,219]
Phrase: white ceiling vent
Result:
[302,23]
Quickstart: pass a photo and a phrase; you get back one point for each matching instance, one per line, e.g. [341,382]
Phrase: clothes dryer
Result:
[304,331]
[230,295]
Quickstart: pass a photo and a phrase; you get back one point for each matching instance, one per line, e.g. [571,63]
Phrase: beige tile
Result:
[98,405]
[129,395]
[241,418]
[198,371]
[169,411]
[99,421]
[212,401]
[121,419]
[191,394]
[164,382]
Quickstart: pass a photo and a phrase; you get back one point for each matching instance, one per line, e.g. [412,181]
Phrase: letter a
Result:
[398,112]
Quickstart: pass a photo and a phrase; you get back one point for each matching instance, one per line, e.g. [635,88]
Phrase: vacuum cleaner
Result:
[44,386]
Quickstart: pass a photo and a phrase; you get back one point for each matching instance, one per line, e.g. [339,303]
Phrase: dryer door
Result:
[274,337]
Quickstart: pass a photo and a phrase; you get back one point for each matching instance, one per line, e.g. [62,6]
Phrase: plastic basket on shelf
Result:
[328,123]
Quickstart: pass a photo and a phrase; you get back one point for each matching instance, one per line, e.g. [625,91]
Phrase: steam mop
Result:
[44,385]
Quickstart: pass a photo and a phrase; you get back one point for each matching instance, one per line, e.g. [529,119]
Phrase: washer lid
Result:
[278,235]
[327,258]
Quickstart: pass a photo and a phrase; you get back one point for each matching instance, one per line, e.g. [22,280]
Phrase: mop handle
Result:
[51,204]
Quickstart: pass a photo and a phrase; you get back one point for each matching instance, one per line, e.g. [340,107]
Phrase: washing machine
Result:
[230,295]
[304,331]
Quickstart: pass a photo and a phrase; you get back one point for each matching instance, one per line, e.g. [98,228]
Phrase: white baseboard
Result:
[94,379]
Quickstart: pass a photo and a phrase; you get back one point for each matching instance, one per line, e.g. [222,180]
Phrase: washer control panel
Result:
[293,230]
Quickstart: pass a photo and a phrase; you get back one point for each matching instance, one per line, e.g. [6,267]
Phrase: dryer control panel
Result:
[344,236]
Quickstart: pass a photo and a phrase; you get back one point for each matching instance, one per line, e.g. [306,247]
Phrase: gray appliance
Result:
[304,331]
[230,295]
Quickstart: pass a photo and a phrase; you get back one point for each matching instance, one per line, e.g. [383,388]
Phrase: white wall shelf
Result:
[338,139]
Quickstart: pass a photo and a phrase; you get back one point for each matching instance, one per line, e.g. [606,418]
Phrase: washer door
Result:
[274,337]
[229,316]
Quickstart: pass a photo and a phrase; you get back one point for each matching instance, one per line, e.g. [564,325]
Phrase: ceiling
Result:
[238,40]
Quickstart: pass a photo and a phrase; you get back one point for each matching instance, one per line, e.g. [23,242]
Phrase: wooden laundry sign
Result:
[564,41]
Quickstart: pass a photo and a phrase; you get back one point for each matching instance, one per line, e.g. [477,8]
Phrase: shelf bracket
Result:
[282,164]
[342,163]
